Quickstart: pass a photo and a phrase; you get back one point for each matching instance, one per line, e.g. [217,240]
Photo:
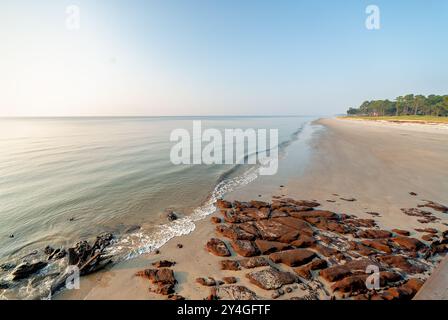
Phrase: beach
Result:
[365,169]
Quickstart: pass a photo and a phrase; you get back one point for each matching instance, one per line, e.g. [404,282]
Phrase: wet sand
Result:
[377,164]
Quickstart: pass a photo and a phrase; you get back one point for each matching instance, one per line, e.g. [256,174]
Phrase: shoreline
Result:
[320,182]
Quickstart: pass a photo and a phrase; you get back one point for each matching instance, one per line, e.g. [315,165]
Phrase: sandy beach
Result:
[354,168]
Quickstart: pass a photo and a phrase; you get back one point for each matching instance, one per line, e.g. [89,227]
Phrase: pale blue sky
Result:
[212,57]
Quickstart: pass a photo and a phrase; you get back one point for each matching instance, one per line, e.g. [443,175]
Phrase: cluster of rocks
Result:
[162,279]
[292,242]
[87,257]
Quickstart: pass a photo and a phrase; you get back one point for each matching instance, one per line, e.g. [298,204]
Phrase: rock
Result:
[305,215]
[133,228]
[235,292]
[331,225]
[408,243]
[11,236]
[351,283]
[267,247]
[223,204]
[428,237]
[26,269]
[253,262]
[48,250]
[215,220]
[374,234]
[401,232]
[163,279]
[7,266]
[179,245]
[229,280]
[175,297]
[272,230]
[364,223]
[171,216]
[375,214]
[402,263]
[348,199]
[208,282]
[325,251]
[413,284]
[157,251]
[90,258]
[304,241]
[435,206]
[427,230]
[426,215]
[293,258]
[288,290]
[339,272]
[278,214]
[217,247]
[231,216]
[259,204]
[305,271]
[234,232]
[295,224]
[413,193]
[163,264]
[4,285]
[245,248]
[57,254]
[361,248]
[230,265]
[380,245]
[270,278]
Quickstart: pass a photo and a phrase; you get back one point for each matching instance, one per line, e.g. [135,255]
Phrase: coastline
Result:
[376,165]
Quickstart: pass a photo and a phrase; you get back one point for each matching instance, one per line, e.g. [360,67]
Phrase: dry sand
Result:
[376,163]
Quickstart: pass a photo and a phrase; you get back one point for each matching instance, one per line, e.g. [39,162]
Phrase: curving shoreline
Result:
[378,178]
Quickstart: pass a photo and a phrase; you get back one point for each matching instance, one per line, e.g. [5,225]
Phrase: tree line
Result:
[432,105]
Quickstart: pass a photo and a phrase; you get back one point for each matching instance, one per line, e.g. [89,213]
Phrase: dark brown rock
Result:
[325,251]
[427,230]
[435,206]
[374,234]
[230,265]
[401,232]
[293,258]
[335,273]
[163,264]
[267,247]
[215,220]
[361,248]
[408,243]
[402,263]
[223,204]
[305,271]
[245,248]
[304,241]
[217,247]
[380,245]
[234,232]
[229,280]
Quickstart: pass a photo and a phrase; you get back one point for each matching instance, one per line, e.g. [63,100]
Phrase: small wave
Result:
[139,242]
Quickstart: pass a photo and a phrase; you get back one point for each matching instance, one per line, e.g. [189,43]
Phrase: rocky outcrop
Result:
[162,279]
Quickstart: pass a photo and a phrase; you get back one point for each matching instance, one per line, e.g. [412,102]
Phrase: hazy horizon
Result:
[215,58]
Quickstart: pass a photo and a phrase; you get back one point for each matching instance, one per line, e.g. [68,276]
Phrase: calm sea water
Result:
[67,179]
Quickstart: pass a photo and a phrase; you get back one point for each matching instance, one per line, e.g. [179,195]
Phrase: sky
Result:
[216,57]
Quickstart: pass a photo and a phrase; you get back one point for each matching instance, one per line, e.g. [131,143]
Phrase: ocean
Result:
[68,179]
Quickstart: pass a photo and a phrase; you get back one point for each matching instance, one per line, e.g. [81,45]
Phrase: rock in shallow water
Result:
[26,269]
